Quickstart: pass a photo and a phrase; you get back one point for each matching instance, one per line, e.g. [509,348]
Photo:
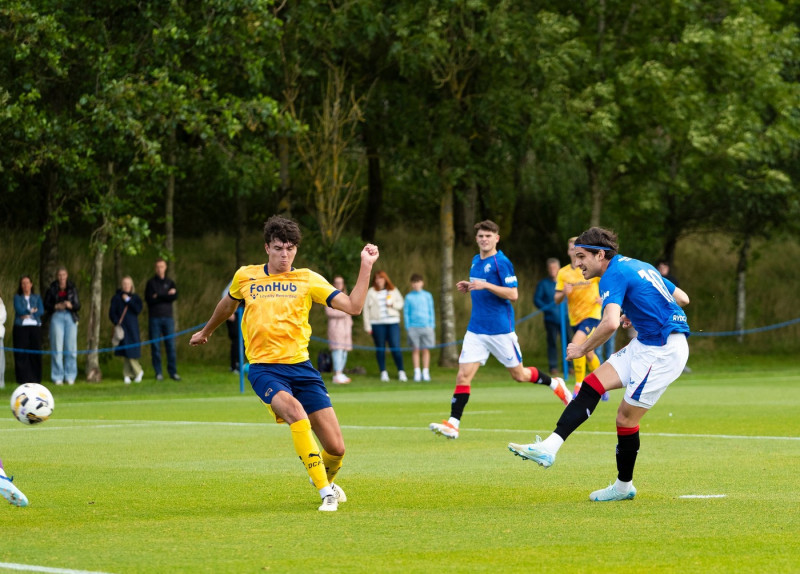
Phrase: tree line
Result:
[130,121]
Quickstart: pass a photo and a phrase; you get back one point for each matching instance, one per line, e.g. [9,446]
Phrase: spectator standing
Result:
[124,311]
[420,321]
[664,268]
[27,333]
[340,335]
[3,317]
[160,293]
[382,321]
[544,299]
[62,303]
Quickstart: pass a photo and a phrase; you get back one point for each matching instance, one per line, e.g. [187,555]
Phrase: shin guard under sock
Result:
[460,400]
[332,465]
[627,449]
[306,448]
[581,407]
[539,378]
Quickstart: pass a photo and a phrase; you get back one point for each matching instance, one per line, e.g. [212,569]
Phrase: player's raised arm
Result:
[224,309]
[353,304]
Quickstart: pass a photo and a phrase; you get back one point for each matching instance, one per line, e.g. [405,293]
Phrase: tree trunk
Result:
[241,215]
[374,187]
[741,288]
[48,254]
[467,209]
[169,231]
[285,203]
[99,241]
[118,266]
[597,194]
[93,372]
[447,314]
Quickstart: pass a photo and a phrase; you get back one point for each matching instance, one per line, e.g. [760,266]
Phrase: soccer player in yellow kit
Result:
[583,307]
[277,299]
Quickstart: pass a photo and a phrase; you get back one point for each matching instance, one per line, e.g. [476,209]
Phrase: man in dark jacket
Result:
[159,293]
[62,304]
[544,299]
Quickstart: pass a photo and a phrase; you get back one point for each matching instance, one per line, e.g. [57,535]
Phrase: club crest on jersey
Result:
[487,267]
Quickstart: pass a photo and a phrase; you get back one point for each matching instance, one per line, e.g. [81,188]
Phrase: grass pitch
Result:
[194,477]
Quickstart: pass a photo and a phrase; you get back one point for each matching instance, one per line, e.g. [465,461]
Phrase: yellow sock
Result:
[593,363]
[580,369]
[308,451]
[332,464]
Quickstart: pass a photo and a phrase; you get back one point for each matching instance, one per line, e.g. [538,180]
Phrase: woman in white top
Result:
[382,310]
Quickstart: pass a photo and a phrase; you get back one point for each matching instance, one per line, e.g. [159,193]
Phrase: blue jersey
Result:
[491,315]
[645,297]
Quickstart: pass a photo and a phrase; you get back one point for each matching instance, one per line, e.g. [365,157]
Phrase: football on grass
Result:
[32,403]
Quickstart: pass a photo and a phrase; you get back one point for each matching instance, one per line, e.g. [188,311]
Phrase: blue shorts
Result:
[301,380]
[587,326]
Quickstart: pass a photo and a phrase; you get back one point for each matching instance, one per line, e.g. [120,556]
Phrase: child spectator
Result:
[340,335]
[420,322]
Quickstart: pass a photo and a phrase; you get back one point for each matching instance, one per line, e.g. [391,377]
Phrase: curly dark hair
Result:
[600,237]
[487,225]
[282,229]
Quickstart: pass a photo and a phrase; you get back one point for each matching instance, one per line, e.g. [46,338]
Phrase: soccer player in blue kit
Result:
[644,368]
[493,287]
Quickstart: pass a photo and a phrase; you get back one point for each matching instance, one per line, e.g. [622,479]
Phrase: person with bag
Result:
[124,314]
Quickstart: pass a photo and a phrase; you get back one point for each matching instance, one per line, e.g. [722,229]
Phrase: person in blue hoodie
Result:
[420,321]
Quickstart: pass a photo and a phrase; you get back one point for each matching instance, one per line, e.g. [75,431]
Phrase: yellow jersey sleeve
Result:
[234,289]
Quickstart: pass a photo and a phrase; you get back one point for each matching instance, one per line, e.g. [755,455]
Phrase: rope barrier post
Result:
[239,313]
[562,312]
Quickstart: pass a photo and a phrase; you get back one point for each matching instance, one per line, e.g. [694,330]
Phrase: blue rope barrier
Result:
[524,319]
[745,331]
[106,349]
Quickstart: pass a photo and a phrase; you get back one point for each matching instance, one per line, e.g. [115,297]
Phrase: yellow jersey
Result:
[582,303]
[275,323]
